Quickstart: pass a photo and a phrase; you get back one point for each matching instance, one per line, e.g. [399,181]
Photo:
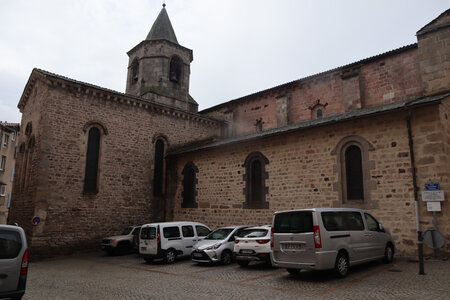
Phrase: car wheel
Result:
[341,265]
[170,256]
[389,254]
[293,271]
[226,257]
[243,263]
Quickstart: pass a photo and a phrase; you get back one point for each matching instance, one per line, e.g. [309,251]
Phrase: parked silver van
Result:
[167,240]
[328,238]
[13,262]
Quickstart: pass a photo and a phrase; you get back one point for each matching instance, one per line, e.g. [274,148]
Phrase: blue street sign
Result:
[432,186]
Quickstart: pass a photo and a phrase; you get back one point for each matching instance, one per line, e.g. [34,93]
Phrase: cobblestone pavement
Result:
[96,276]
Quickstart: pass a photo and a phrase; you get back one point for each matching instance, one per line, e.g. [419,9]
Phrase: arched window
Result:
[158,178]
[353,167]
[255,176]
[319,113]
[354,174]
[134,71]
[318,109]
[189,185]
[175,69]
[92,158]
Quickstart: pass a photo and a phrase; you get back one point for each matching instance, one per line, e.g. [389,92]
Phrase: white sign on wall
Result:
[433,196]
[433,206]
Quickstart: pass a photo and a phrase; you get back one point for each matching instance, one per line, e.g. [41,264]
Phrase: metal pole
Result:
[416,197]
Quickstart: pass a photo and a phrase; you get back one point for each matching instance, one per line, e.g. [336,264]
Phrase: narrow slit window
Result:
[354,173]
[92,157]
[159,168]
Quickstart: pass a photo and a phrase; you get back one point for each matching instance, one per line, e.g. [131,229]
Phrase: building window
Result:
[317,109]
[134,71]
[259,125]
[158,178]
[2,190]
[255,176]
[353,167]
[354,174]
[319,113]
[189,185]
[5,140]
[3,163]
[92,158]
[29,128]
[13,136]
[175,69]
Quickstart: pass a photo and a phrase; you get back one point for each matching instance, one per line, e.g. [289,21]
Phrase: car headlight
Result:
[214,247]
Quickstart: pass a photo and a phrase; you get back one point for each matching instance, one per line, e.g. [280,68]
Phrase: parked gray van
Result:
[328,238]
[13,262]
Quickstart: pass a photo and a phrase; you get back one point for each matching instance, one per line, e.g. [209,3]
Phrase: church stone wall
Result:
[71,219]
[390,78]
[301,174]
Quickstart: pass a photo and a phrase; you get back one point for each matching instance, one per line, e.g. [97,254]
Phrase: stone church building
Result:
[369,134]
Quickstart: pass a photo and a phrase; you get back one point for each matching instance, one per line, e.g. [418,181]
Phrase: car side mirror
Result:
[380,228]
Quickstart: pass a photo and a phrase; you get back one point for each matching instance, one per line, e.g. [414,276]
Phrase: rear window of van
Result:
[10,244]
[148,233]
[293,222]
[342,220]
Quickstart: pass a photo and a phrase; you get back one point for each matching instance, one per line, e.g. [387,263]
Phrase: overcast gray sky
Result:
[240,47]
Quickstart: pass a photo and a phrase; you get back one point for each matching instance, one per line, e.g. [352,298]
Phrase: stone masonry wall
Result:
[301,174]
[71,219]
[385,80]
[27,183]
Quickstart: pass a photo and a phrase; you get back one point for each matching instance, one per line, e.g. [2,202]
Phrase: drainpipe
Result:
[416,198]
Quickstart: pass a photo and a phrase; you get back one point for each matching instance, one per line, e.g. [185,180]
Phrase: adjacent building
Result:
[8,153]
[369,134]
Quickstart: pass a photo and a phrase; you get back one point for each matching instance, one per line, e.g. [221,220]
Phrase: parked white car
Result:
[217,246]
[13,262]
[252,244]
[168,240]
[126,241]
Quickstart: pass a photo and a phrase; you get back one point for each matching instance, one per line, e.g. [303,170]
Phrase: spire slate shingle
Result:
[162,28]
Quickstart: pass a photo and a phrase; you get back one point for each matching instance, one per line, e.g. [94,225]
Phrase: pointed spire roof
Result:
[162,28]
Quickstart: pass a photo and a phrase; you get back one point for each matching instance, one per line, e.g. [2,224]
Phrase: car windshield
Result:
[253,233]
[126,231]
[219,234]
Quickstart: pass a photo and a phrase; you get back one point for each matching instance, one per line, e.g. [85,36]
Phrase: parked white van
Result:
[168,240]
[328,238]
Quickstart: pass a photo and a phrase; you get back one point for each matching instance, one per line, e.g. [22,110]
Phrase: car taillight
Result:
[24,266]
[158,241]
[263,241]
[271,237]
[317,240]
[236,241]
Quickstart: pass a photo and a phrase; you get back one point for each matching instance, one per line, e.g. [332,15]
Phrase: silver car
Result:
[328,238]
[13,262]
[217,246]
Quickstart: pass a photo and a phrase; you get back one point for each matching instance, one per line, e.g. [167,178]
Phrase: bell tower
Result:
[159,67]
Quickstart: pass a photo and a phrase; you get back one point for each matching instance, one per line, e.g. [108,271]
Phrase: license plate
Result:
[247,251]
[292,246]
[197,254]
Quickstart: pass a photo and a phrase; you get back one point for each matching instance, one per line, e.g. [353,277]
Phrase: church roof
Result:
[162,28]
[333,119]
